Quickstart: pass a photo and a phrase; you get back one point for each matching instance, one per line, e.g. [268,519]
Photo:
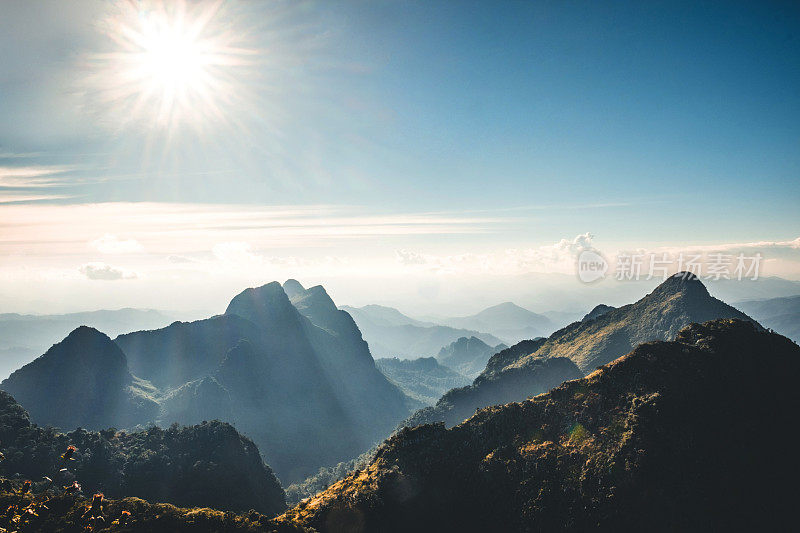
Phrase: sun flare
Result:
[171,64]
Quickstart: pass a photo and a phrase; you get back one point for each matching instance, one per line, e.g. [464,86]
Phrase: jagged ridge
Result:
[674,436]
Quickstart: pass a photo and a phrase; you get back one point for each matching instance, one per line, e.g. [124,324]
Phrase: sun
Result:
[171,64]
[172,61]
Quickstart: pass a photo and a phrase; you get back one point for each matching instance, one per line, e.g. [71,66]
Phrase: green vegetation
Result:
[68,513]
[517,384]
[209,464]
[675,436]
[327,476]
[294,375]
[611,333]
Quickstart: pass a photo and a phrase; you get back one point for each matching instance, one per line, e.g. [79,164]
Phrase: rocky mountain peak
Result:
[265,305]
[683,283]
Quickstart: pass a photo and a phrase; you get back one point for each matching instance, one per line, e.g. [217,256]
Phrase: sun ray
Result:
[170,65]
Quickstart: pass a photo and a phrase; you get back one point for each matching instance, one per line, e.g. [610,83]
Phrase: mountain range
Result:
[293,374]
[534,366]
[674,436]
[673,428]
[83,381]
[23,337]
[393,334]
[507,321]
[678,301]
[780,314]
[423,379]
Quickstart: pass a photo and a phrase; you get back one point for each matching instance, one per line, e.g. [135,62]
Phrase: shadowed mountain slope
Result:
[345,357]
[83,381]
[205,465]
[184,351]
[675,436]
[456,405]
[296,376]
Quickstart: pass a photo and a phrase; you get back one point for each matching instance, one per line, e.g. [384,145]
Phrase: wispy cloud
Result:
[790,248]
[178,229]
[27,198]
[32,176]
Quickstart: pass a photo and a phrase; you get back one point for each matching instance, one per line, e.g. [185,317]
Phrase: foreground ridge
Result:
[673,436]
[69,513]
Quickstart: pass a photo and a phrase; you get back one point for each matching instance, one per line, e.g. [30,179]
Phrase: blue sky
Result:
[462,127]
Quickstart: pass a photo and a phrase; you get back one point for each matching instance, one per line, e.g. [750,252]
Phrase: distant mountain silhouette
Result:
[83,381]
[392,334]
[296,377]
[675,436]
[423,379]
[780,314]
[23,337]
[468,356]
[507,321]
[382,315]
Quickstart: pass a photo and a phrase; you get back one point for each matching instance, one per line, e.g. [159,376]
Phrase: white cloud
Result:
[186,229]
[577,245]
[104,272]
[558,257]
[790,246]
[235,252]
[407,257]
[111,244]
